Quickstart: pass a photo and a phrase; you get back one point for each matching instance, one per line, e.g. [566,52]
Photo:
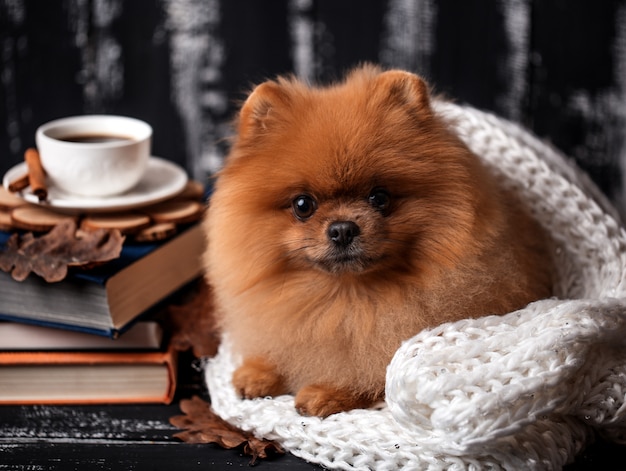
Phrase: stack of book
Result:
[89,337]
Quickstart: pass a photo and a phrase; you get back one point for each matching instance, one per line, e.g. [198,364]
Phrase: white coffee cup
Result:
[94,155]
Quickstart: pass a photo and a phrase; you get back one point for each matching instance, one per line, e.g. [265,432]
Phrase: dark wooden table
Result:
[140,437]
[116,437]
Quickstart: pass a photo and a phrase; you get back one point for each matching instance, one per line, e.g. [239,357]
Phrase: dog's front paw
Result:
[258,378]
[323,400]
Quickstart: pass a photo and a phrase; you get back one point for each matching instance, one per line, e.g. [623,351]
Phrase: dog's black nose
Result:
[342,233]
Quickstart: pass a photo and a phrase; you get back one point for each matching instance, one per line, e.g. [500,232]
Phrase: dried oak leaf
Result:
[50,255]
[193,325]
[202,425]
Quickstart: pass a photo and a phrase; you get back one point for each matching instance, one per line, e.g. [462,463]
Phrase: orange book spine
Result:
[168,358]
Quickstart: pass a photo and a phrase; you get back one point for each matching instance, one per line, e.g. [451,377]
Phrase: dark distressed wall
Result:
[557,66]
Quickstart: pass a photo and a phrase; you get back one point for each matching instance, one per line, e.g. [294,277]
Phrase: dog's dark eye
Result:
[379,199]
[303,207]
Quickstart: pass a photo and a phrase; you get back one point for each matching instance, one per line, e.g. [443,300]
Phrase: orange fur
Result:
[428,236]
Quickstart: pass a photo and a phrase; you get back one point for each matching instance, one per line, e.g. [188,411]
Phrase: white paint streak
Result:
[302,31]
[604,113]
[105,12]
[84,426]
[78,16]
[197,56]
[517,28]
[14,10]
[605,116]
[109,68]
[102,72]
[408,39]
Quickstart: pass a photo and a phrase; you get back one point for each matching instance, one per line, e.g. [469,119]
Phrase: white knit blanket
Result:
[527,390]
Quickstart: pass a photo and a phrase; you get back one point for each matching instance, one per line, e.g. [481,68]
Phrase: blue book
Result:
[106,299]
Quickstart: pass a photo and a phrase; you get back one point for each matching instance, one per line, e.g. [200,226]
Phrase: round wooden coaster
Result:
[127,223]
[176,211]
[8,200]
[6,224]
[194,190]
[36,218]
[156,232]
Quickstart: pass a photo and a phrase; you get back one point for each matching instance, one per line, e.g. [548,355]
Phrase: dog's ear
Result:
[261,108]
[404,88]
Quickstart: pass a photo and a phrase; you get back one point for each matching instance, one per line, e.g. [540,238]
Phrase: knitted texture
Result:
[526,390]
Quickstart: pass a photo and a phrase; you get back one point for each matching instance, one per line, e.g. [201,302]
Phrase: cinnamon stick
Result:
[19,183]
[36,174]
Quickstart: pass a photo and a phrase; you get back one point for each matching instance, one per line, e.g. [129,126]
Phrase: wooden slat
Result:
[59,455]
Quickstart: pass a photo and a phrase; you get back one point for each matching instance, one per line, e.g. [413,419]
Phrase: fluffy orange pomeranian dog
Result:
[346,219]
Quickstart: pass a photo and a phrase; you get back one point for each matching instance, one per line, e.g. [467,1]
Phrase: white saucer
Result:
[162,180]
